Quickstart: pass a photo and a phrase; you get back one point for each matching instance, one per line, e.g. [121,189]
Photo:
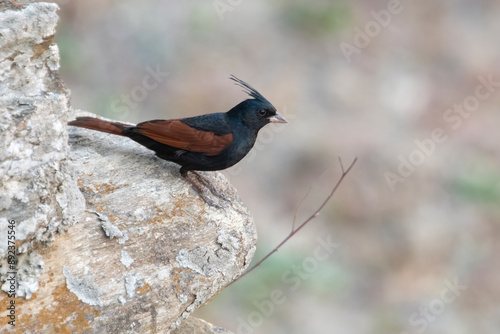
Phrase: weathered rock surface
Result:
[140,250]
[198,326]
[37,188]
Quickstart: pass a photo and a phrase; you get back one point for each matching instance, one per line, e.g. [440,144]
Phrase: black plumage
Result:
[205,143]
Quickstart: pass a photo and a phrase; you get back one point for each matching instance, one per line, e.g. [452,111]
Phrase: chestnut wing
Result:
[177,134]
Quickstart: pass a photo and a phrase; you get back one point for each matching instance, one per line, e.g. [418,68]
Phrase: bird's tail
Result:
[98,124]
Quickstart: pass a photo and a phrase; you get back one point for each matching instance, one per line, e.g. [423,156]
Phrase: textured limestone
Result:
[197,326]
[37,188]
[164,245]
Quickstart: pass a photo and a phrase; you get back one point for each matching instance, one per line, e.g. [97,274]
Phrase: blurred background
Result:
[411,88]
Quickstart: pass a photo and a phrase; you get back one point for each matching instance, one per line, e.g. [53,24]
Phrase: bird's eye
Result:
[262,112]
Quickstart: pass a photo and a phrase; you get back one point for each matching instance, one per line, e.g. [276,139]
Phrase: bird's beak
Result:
[277,119]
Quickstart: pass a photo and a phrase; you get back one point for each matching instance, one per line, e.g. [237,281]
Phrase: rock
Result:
[197,326]
[148,238]
[146,251]
[37,188]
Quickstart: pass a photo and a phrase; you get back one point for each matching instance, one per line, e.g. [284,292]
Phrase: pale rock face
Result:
[164,244]
[37,187]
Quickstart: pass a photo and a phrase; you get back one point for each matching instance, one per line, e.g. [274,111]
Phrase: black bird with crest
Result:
[202,143]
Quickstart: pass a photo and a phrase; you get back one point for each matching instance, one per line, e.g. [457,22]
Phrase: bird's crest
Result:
[249,89]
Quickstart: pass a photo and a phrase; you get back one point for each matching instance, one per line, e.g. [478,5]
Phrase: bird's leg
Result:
[197,186]
[208,185]
[202,178]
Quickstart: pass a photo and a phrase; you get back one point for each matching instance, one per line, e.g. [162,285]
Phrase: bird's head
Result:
[255,112]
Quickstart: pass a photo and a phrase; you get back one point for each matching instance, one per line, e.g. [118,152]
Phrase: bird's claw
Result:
[197,186]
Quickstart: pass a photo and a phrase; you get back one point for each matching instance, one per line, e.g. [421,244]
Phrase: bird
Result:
[209,142]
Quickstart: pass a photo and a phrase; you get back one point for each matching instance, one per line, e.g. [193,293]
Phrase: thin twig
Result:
[298,207]
[307,195]
[314,215]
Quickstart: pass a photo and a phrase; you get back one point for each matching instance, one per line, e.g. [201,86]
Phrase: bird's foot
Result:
[197,184]
[208,185]
[203,194]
